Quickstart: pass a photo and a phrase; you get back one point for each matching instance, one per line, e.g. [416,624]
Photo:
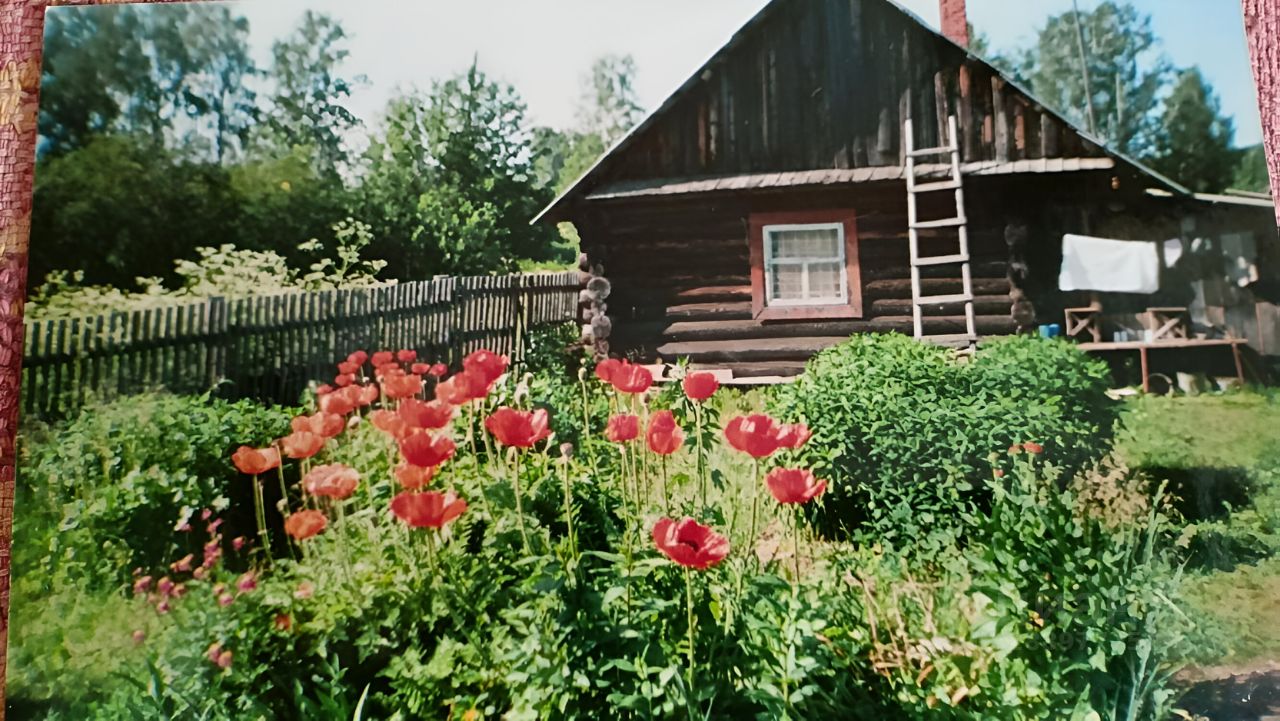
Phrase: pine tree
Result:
[1194,143]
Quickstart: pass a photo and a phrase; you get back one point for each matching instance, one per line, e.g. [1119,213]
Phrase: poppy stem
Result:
[702,458]
[488,456]
[586,426]
[515,485]
[431,556]
[261,518]
[688,605]
[284,492]
[755,500]
[568,513]
[666,496]
[795,541]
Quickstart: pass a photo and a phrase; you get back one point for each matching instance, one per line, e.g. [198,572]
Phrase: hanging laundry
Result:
[1241,255]
[1117,266]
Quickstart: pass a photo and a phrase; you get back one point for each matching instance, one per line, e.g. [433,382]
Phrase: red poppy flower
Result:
[630,378]
[324,389]
[302,444]
[368,394]
[406,356]
[413,477]
[348,368]
[421,414]
[487,365]
[305,524]
[1015,449]
[462,388]
[388,422]
[664,436]
[382,358]
[1033,448]
[421,369]
[700,386]
[622,428]
[429,509]
[516,428]
[794,485]
[336,403]
[438,370]
[690,543]
[332,480]
[324,424]
[358,357]
[422,448]
[342,381]
[402,385]
[606,368]
[756,434]
[255,461]
[794,435]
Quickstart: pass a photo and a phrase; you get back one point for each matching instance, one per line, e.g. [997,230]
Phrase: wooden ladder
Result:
[959,222]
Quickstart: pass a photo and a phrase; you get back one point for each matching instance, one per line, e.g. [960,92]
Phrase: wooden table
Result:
[1144,347]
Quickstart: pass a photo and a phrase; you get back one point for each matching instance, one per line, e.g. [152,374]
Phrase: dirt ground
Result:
[1249,693]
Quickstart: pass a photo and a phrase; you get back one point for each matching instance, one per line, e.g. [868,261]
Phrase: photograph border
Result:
[21,46]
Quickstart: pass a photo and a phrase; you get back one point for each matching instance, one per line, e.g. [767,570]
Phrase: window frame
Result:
[770,262]
[761,308]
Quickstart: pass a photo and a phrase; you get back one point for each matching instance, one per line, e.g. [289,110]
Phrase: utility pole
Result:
[1084,66]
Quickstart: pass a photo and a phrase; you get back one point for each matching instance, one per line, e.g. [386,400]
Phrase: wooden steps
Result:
[758,349]
[758,369]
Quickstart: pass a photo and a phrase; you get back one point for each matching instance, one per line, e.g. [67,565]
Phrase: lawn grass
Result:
[1221,431]
[1235,595]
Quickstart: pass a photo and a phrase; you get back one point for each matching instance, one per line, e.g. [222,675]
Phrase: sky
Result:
[544,47]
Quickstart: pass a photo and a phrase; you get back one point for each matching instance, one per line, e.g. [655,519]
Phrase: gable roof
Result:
[600,170]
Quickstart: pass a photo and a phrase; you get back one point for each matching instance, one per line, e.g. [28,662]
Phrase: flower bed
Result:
[425,544]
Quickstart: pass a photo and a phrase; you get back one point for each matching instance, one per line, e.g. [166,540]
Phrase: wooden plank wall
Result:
[271,347]
[829,84]
[681,278]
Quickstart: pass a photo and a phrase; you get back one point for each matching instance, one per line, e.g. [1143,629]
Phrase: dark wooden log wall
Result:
[679,269]
[828,84]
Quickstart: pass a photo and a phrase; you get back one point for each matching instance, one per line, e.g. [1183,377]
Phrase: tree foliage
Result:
[1194,145]
[160,135]
[1251,170]
[1125,73]
[450,180]
[308,103]
[173,78]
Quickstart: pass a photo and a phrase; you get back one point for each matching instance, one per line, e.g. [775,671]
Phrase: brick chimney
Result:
[955,23]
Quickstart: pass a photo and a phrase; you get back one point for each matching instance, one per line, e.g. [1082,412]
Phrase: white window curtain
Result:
[805,265]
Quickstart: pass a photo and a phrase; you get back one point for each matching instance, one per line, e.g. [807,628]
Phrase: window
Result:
[804,265]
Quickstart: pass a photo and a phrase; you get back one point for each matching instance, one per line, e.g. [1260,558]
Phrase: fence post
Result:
[216,338]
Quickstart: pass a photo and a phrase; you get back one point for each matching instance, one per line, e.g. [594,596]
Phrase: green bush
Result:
[110,488]
[900,427]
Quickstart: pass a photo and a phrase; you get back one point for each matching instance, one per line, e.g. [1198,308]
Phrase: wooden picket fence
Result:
[270,347]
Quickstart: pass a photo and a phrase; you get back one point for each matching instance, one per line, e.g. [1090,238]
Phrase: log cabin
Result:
[839,167]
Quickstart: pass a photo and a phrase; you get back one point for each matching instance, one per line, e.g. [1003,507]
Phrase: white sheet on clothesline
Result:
[1103,264]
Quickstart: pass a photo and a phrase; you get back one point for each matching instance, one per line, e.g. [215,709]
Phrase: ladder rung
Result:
[935,187]
[938,299]
[942,259]
[924,152]
[943,223]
